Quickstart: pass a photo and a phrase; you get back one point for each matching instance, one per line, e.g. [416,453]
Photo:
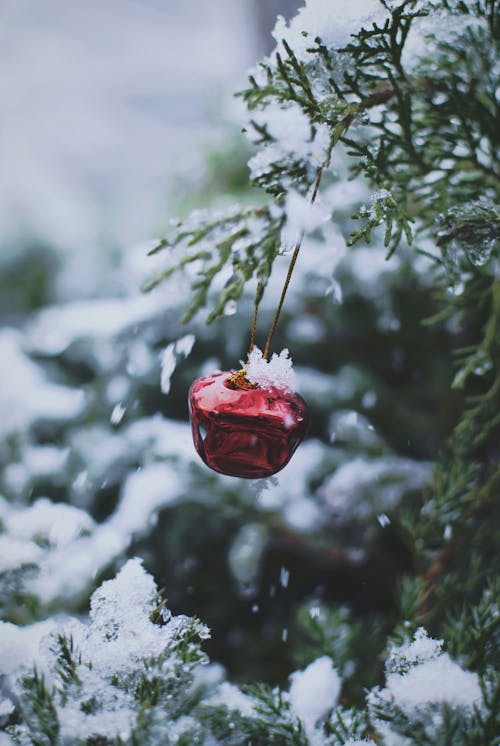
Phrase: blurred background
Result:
[101,105]
[115,117]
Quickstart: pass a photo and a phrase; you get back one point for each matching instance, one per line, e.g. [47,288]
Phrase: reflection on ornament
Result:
[242,430]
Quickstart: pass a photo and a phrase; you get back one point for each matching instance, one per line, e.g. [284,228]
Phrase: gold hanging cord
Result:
[285,286]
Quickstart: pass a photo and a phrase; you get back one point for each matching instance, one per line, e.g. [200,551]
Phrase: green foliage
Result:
[353,644]
[475,631]
[247,239]
[444,108]
[287,82]
[452,726]
[345,725]
[427,147]
[67,663]
[383,208]
[274,721]
[39,710]
[16,603]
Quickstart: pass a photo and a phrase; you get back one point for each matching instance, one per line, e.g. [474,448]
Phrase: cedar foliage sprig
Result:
[245,239]
[272,720]
[286,81]
[427,135]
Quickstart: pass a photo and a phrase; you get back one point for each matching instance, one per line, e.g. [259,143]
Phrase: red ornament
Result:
[242,431]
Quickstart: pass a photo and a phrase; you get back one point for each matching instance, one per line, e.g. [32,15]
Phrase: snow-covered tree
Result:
[376,131]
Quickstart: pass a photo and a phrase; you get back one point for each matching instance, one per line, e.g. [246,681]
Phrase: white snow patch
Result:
[334,23]
[56,523]
[120,612]
[293,138]
[65,544]
[25,394]
[245,553]
[53,329]
[274,373]
[70,568]
[15,553]
[20,646]
[290,127]
[435,681]
[314,691]
[161,437]
[230,696]
[438,25]
[263,161]
[117,389]
[290,493]
[368,265]
[302,216]
[419,675]
[422,649]
[306,328]
[106,725]
[303,514]
[363,486]
[144,492]
[45,460]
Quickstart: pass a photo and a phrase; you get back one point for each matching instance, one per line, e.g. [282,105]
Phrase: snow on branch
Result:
[129,666]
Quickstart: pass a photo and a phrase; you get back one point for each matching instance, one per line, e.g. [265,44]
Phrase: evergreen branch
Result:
[476,630]
[274,720]
[39,710]
[249,238]
[346,725]
[67,663]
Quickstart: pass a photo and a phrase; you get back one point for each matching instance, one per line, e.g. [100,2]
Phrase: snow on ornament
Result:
[248,423]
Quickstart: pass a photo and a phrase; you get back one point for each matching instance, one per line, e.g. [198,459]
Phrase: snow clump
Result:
[314,691]
[276,373]
[230,696]
[420,675]
[334,23]
[292,136]
[119,650]
[441,680]
[31,533]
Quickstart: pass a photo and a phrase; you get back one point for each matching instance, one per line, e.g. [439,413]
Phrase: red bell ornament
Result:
[244,430]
